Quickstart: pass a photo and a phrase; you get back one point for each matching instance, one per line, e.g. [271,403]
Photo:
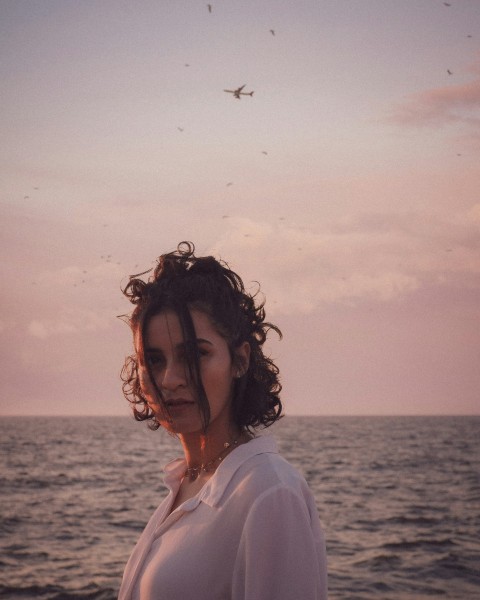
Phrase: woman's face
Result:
[165,351]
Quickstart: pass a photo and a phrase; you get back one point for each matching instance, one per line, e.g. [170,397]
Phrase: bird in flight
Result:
[238,92]
[209,6]
[449,72]
[272,31]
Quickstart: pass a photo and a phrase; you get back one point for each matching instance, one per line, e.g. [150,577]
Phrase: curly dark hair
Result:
[182,281]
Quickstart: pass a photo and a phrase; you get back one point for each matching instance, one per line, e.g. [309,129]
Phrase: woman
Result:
[239,522]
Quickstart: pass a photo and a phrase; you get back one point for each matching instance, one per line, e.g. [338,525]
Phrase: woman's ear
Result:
[242,360]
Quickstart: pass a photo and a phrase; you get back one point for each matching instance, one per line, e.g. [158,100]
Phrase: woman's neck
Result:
[200,449]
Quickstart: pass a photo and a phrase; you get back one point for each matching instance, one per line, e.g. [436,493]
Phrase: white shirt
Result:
[251,533]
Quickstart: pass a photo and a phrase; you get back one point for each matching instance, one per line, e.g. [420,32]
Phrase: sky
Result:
[348,186]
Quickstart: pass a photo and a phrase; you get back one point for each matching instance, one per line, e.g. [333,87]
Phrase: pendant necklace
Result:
[193,472]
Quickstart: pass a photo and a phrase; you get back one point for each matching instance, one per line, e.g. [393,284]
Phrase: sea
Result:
[398,497]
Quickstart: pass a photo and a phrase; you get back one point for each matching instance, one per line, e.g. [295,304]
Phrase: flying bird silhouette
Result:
[449,72]
[272,31]
[209,6]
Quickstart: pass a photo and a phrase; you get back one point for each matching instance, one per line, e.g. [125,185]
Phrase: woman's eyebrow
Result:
[178,346]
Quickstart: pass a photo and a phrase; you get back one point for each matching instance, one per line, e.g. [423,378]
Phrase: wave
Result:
[54,592]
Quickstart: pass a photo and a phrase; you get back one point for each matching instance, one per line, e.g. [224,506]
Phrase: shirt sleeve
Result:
[281,555]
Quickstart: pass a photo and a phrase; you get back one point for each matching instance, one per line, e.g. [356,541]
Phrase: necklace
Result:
[193,472]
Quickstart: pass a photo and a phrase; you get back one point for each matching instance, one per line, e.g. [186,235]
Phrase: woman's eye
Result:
[203,351]
[154,360]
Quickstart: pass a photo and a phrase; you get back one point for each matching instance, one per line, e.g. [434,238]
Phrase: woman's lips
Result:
[179,403]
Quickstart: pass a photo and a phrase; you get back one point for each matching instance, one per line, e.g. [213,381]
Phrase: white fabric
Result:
[251,533]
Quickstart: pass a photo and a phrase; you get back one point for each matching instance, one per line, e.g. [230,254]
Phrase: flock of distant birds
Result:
[237,93]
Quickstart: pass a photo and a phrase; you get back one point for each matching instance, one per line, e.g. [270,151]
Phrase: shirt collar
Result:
[213,490]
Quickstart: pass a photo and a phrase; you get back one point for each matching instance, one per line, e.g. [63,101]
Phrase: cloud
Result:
[473,215]
[375,257]
[69,321]
[452,105]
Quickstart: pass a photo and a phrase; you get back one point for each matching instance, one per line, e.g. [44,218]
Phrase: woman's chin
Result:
[182,423]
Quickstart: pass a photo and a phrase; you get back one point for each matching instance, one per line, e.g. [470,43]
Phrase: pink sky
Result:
[353,199]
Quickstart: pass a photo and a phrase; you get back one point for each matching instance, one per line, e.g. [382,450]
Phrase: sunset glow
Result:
[347,185]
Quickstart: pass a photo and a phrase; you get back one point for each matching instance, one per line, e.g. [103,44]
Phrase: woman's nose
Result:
[173,376]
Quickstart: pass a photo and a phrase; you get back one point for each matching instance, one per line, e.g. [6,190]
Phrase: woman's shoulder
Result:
[266,472]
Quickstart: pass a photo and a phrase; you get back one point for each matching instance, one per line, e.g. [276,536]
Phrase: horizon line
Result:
[358,415]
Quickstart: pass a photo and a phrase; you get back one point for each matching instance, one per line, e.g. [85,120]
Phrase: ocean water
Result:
[399,499]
